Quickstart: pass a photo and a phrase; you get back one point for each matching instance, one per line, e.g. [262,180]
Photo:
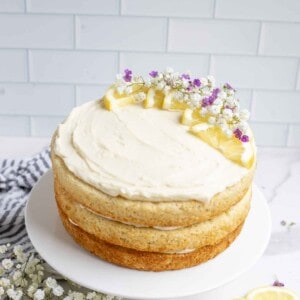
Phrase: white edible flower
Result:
[222,95]
[228,132]
[39,295]
[140,97]
[218,102]
[7,263]
[212,120]
[215,109]
[128,90]
[17,275]
[91,296]
[148,83]
[32,289]
[51,282]
[160,86]
[4,282]
[195,99]
[221,123]
[211,79]
[243,126]
[204,81]
[185,83]
[204,111]
[18,250]
[3,249]
[166,89]
[58,291]
[227,113]
[244,115]
[178,95]
[121,89]
[138,79]
[1,291]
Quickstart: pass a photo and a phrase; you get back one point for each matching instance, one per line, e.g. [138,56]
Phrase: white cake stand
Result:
[60,251]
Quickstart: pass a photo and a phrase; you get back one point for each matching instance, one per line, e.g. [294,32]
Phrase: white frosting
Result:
[142,154]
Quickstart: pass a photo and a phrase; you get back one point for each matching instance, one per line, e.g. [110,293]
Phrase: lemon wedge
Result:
[154,98]
[232,148]
[191,117]
[113,99]
[272,293]
[170,103]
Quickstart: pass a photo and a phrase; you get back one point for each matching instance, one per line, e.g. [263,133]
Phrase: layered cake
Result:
[157,174]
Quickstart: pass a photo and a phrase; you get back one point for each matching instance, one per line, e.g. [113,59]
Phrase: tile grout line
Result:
[167,34]
[288,134]
[297,74]
[258,49]
[214,9]
[120,8]
[74,32]
[28,61]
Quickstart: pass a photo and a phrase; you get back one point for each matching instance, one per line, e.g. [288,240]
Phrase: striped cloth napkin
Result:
[17,177]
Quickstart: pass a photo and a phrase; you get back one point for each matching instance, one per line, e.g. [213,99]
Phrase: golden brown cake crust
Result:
[151,239]
[171,213]
[142,260]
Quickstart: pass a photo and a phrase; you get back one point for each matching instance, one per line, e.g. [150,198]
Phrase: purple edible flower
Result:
[278,283]
[127,75]
[210,100]
[197,82]
[238,133]
[244,138]
[153,74]
[185,76]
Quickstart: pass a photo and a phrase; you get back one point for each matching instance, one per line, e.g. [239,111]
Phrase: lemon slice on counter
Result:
[191,117]
[154,98]
[232,148]
[113,99]
[272,293]
[170,103]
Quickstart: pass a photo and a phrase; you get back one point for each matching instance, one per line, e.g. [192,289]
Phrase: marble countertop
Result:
[278,177]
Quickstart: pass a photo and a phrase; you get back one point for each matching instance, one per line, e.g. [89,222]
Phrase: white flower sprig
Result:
[24,276]
[219,105]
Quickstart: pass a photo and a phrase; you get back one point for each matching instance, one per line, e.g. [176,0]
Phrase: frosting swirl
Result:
[142,154]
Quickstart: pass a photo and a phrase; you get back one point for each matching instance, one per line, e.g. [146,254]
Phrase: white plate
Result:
[54,244]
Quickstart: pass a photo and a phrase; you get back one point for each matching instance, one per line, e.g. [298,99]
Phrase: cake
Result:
[157,174]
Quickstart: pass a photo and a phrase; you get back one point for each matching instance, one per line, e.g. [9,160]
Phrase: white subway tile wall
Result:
[57,54]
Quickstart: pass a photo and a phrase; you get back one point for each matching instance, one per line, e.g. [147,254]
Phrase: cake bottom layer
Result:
[143,260]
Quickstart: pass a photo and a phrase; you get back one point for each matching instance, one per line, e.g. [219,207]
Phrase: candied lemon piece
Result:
[170,103]
[272,293]
[230,147]
[154,98]
[191,117]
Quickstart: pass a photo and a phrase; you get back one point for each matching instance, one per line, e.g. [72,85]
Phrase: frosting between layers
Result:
[142,154]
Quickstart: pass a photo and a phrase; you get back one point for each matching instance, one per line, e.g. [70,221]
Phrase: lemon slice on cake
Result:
[113,99]
[171,103]
[154,98]
[191,117]
[231,147]
[272,293]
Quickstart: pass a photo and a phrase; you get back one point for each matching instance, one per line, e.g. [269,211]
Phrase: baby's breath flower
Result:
[5,282]
[1,291]
[3,249]
[244,115]
[7,263]
[32,289]
[18,250]
[39,295]
[212,120]
[58,291]
[51,282]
